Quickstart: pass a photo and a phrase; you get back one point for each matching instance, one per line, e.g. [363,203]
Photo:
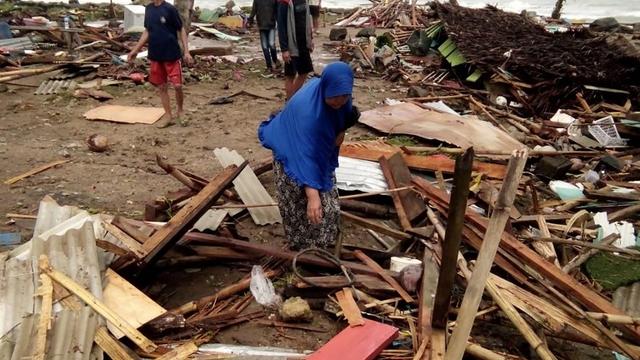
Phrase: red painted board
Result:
[357,343]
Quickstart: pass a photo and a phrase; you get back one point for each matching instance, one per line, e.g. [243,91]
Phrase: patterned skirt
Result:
[292,199]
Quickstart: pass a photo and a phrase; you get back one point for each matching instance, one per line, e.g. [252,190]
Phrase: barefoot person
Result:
[163,26]
[305,139]
[314,9]
[296,42]
[265,11]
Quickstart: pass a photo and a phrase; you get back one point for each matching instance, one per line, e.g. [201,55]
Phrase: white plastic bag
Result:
[262,289]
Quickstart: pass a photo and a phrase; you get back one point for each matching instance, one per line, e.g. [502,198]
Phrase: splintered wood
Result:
[349,307]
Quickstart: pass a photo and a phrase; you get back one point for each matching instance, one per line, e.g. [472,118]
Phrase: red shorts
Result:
[162,72]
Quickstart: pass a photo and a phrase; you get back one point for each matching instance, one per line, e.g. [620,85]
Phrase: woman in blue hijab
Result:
[305,138]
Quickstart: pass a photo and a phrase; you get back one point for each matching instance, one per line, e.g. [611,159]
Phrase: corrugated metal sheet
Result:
[211,220]
[49,87]
[359,175]
[13,44]
[627,299]
[250,189]
[68,237]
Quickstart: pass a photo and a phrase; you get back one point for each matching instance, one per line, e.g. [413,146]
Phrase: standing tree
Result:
[454,2]
[557,10]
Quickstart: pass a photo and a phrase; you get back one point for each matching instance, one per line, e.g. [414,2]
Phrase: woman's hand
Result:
[314,205]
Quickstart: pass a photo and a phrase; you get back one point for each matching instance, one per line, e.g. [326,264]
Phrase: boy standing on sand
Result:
[162,26]
[296,43]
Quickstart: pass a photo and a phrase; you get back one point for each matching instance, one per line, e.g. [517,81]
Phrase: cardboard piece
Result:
[125,114]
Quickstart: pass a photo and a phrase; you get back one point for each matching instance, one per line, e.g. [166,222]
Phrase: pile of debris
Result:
[387,14]
[87,50]
[549,67]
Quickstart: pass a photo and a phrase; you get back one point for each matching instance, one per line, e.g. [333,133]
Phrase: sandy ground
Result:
[35,130]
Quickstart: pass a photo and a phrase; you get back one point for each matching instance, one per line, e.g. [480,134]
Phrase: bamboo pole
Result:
[615,319]
[487,253]
[601,247]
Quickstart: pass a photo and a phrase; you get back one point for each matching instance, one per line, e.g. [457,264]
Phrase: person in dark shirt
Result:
[296,42]
[265,10]
[163,27]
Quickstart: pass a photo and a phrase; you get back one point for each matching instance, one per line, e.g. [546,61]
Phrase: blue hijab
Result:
[303,136]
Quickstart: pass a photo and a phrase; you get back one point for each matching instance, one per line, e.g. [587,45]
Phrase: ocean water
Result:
[625,10]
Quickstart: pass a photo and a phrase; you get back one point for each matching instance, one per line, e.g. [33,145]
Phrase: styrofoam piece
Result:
[398,263]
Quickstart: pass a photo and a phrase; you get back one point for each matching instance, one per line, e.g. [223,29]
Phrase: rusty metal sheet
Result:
[250,189]
[462,131]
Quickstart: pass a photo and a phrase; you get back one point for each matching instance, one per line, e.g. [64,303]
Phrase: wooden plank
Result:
[222,253]
[131,332]
[189,214]
[544,248]
[266,250]
[427,295]
[398,175]
[383,274]
[453,235]
[34,171]
[592,300]
[128,302]
[131,243]
[110,345]
[400,235]
[44,323]
[181,352]
[438,344]
[490,244]
[397,200]
[357,343]
[349,307]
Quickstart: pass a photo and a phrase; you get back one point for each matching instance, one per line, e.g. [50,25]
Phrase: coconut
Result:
[98,143]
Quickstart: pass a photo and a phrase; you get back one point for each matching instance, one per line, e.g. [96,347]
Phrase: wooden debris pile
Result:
[387,14]
[554,65]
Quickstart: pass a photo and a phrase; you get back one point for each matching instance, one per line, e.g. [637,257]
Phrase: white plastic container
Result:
[399,263]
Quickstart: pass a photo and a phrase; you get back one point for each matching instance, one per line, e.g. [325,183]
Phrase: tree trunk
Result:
[557,10]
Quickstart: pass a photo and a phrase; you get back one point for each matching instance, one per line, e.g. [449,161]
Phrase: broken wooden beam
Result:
[490,243]
[349,307]
[408,205]
[266,250]
[34,171]
[453,235]
[184,220]
[400,235]
[132,333]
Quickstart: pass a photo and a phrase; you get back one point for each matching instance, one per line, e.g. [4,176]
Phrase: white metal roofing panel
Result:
[359,175]
[250,189]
